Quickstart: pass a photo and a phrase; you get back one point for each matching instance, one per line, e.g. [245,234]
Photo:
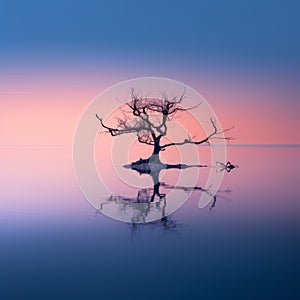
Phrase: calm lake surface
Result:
[55,246]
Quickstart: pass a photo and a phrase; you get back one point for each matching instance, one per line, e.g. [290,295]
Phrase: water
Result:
[54,246]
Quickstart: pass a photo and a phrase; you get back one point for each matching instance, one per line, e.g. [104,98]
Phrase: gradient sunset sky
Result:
[56,56]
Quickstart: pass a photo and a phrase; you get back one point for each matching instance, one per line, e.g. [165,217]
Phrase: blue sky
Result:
[263,33]
[242,56]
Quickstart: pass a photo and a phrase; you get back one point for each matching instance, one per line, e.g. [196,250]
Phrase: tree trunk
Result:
[157,148]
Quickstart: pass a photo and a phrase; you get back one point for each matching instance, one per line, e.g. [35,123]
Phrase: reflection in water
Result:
[165,225]
[227,167]
[155,198]
[47,234]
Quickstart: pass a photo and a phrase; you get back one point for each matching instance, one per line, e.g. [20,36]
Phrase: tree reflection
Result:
[165,225]
[155,198]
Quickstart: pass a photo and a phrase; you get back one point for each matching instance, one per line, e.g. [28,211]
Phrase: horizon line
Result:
[201,145]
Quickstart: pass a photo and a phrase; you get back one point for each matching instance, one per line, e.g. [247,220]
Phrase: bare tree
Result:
[148,118]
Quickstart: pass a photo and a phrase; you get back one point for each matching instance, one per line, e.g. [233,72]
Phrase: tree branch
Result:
[213,135]
[125,129]
[148,118]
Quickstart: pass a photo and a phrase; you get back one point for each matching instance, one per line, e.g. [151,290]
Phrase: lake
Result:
[54,244]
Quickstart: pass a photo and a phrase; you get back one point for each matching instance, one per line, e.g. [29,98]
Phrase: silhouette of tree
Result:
[148,118]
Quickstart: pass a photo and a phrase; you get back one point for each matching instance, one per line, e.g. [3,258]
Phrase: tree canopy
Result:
[148,118]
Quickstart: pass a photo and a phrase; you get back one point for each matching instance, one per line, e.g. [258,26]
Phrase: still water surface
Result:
[55,246]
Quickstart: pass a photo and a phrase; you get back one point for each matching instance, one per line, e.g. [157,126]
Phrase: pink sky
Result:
[42,108]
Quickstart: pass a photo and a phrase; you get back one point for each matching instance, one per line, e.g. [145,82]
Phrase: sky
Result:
[56,56]
[242,56]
